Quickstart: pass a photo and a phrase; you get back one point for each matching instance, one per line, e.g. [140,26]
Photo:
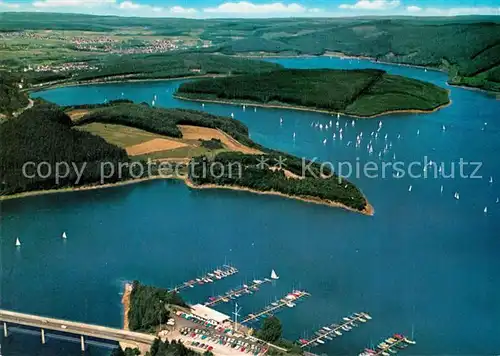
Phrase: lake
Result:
[425,263]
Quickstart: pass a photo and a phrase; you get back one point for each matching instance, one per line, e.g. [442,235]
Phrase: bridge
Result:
[71,327]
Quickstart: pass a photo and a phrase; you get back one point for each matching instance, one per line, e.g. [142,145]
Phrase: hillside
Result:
[11,99]
[465,46]
[361,93]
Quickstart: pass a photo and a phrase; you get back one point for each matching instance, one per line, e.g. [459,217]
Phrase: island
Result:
[121,143]
[361,93]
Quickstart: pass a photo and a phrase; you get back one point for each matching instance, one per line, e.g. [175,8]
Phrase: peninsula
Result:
[172,143]
[361,93]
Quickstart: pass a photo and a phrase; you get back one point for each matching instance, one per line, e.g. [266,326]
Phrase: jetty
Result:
[287,301]
[217,274]
[389,346]
[238,292]
[335,330]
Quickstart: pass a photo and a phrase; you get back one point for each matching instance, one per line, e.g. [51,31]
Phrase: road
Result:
[76,328]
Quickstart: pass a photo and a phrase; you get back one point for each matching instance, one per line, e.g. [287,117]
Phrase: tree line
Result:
[255,176]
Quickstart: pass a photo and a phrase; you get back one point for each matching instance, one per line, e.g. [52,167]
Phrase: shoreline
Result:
[369,210]
[306,109]
[126,304]
[115,81]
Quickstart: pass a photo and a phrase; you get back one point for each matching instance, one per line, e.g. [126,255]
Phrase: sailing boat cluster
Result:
[18,242]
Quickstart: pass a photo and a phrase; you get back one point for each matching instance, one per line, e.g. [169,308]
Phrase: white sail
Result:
[64,235]
[18,243]
[274,275]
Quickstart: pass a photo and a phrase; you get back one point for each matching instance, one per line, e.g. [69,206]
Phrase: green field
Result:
[355,92]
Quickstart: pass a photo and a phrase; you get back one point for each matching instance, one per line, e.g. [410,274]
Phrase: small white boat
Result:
[485,209]
[444,128]
[491,179]
[410,188]
[202,105]
[320,341]
[352,123]
[274,275]
[457,196]
[338,116]
[498,200]
[64,235]
[294,135]
[324,141]
[281,120]
[232,115]
[153,103]
[18,243]
[326,328]
[254,109]
[418,132]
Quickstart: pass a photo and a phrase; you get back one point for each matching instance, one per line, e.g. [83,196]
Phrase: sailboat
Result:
[64,235]
[18,243]
[457,196]
[274,275]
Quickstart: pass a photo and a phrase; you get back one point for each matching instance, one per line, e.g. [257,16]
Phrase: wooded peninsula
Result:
[118,133]
[361,93]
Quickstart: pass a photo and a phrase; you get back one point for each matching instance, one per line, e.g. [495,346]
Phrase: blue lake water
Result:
[425,262]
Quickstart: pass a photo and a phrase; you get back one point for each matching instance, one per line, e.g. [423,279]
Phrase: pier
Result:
[335,330]
[219,273]
[287,301]
[386,348]
[236,293]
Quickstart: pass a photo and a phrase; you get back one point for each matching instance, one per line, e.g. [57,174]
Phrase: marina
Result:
[287,301]
[217,274]
[389,346]
[236,293]
[335,330]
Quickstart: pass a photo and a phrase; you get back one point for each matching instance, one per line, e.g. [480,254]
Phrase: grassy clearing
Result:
[119,135]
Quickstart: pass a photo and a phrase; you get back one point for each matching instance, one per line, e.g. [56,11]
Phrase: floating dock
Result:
[287,301]
[389,346]
[332,331]
[219,273]
[236,293]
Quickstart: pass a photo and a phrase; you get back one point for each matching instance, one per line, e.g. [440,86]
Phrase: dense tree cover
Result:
[160,348]
[212,144]
[44,134]
[148,306]
[155,66]
[271,330]
[256,176]
[165,121]
[349,91]
[11,99]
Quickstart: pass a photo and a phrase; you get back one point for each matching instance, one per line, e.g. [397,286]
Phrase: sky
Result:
[258,8]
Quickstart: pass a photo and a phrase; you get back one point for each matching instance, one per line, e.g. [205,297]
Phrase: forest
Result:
[148,306]
[11,98]
[261,178]
[155,66]
[44,133]
[358,92]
